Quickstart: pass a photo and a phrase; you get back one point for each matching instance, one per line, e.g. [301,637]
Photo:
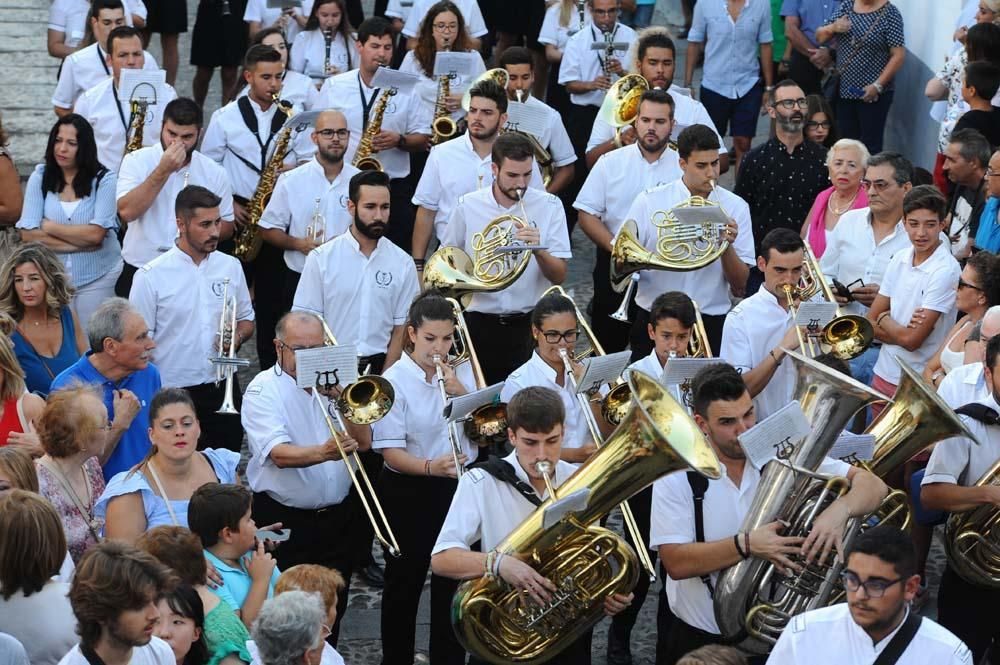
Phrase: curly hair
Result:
[58,290]
[66,422]
[426,49]
[11,372]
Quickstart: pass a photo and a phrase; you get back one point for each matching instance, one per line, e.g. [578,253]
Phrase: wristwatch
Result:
[878,86]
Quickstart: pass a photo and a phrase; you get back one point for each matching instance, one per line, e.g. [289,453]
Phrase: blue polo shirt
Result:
[134,443]
[812,14]
[236,582]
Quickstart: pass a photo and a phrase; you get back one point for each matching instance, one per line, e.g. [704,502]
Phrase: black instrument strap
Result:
[250,120]
[366,104]
[90,655]
[502,470]
[980,413]
[102,59]
[897,645]
[121,114]
[699,485]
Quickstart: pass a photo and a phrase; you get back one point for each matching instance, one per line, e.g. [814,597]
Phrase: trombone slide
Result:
[456,451]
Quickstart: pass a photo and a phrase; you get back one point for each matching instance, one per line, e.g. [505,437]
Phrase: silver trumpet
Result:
[227,362]
[316,231]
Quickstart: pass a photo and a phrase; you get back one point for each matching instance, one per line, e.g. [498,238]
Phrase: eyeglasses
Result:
[789,104]
[295,347]
[822,125]
[873,588]
[604,12]
[878,185]
[962,284]
[990,173]
[554,336]
[442,27]
[330,133]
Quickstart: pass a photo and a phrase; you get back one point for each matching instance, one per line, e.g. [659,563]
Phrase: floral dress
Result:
[953,76]
[81,532]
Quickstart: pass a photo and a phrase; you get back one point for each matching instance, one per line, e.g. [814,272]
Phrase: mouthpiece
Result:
[544,467]
[520,94]
[520,193]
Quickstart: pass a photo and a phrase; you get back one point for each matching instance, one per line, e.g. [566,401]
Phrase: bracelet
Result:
[496,563]
[488,566]
[774,357]
[739,550]
[878,86]
[881,316]
[427,467]
[770,88]
[746,542]
[419,263]
[401,143]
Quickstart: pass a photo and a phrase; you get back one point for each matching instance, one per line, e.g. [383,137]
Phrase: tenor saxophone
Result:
[363,156]
[138,112]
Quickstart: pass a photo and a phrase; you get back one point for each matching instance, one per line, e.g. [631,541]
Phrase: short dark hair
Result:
[902,168]
[655,96]
[655,38]
[260,53]
[975,147]
[672,305]
[783,83]
[717,382]
[121,32]
[984,76]
[374,26]
[781,240]
[890,544]
[987,267]
[185,112]
[982,42]
[193,197]
[97,5]
[517,55]
[490,90]
[696,138]
[925,197]
[370,178]
[992,351]
[216,506]
[535,409]
[511,145]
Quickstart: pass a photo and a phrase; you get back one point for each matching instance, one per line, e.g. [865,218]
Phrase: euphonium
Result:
[972,539]
[621,103]
[586,563]
[138,109]
[753,603]
[247,237]
[363,158]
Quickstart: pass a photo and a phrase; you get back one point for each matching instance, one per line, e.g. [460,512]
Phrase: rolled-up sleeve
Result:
[949,460]
[671,519]
[34,201]
[263,418]
[390,431]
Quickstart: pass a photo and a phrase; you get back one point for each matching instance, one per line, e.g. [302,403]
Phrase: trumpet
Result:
[316,231]
[227,362]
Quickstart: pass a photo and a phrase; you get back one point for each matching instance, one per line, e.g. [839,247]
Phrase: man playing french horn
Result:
[698,539]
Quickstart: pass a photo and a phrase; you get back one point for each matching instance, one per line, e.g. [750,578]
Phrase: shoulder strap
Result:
[897,645]
[25,423]
[699,485]
[163,494]
[250,120]
[979,412]
[503,471]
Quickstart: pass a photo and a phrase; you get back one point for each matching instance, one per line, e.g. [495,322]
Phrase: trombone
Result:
[227,362]
[363,402]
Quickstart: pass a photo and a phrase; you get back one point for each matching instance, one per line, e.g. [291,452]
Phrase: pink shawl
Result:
[817,225]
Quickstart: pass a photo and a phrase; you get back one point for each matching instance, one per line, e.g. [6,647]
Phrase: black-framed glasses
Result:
[330,133]
[554,336]
[822,125]
[878,185]
[962,284]
[990,173]
[789,104]
[874,588]
[296,347]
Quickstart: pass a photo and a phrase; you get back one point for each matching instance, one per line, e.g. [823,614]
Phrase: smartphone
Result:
[279,536]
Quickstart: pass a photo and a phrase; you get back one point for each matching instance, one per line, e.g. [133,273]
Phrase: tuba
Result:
[752,602]
[972,539]
[363,158]
[621,103]
[585,562]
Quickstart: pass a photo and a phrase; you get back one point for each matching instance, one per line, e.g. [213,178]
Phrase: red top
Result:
[9,422]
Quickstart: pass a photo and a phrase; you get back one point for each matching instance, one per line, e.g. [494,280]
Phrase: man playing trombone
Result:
[197,305]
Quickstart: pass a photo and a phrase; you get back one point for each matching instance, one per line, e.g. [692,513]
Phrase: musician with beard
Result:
[149,181]
[309,204]
[180,294]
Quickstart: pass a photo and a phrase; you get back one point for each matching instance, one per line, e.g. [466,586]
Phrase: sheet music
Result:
[327,364]
[603,46]
[459,63]
[815,315]
[527,118]
[283,4]
[853,448]
[778,435]
[603,369]
[461,406]
[678,371]
[149,85]
[677,90]
[386,77]
[712,214]
[303,121]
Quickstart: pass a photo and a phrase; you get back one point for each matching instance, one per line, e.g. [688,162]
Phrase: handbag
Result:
[830,83]
[10,237]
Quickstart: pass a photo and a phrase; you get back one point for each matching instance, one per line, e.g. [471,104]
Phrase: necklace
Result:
[840,211]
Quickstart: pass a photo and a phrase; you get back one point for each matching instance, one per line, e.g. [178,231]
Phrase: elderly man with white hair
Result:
[289,630]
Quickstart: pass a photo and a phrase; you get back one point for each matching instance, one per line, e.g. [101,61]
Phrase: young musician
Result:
[500,321]
[180,294]
[486,508]
[311,48]
[296,87]
[420,10]
[723,409]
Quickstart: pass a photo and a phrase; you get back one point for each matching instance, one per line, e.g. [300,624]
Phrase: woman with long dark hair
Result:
[310,49]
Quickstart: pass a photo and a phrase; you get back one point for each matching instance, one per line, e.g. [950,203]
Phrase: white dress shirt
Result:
[852,253]
[751,330]
[930,285]
[229,141]
[70,17]
[360,297]
[297,89]
[959,461]
[109,118]
[182,305]
[554,138]
[618,178]
[403,114]
[308,53]
[399,9]
[707,286]
[298,195]
[476,209]
[488,509]
[84,69]
[155,230]
[724,508]
[427,88]
[276,411]
[474,23]
[687,112]
[581,63]
[415,422]
[454,168]
[649,365]
[258,10]
[536,372]
[829,636]
[155,652]
[963,385]
[553,32]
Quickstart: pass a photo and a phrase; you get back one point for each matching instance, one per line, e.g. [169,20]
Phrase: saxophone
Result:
[247,237]
[363,156]
[138,112]
[443,126]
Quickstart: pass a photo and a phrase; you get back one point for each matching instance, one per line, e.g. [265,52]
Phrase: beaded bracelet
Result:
[488,566]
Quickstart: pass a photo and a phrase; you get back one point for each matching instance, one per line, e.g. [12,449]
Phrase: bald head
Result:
[298,323]
[989,327]
[331,136]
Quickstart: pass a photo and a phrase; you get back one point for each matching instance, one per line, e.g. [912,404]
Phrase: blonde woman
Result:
[19,409]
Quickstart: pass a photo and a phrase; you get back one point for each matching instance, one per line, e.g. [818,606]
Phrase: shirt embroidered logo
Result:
[383,278]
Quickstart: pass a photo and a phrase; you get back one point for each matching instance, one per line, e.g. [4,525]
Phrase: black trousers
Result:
[502,342]
[217,430]
[269,274]
[969,611]
[577,653]
[613,335]
[124,284]
[416,507]
[642,346]
[682,639]
[401,212]
[318,536]
[579,125]
[804,73]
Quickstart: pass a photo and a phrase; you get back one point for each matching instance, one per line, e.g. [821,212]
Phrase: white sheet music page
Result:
[777,436]
[461,406]
[386,77]
[603,369]
[853,448]
[459,63]
[327,365]
[526,118]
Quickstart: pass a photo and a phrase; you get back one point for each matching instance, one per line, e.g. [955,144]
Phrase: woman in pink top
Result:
[846,161]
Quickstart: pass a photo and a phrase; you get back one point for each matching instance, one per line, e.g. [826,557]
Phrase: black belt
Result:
[506,319]
[304,511]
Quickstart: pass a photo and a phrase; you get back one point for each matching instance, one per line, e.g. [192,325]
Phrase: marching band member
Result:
[360,282]
[68,22]
[950,484]
[148,183]
[460,166]
[259,14]
[309,203]
[501,321]
[310,49]
[486,508]
[759,330]
[519,63]
[296,87]
[109,115]
[723,409]
[562,20]
[420,9]
[656,61]
[296,472]
[554,327]
[711,286]
[609,192]
[404,126]
[180,293]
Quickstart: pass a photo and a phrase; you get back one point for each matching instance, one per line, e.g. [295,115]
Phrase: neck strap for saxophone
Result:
[121,114]
[250,120]
[366,104]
